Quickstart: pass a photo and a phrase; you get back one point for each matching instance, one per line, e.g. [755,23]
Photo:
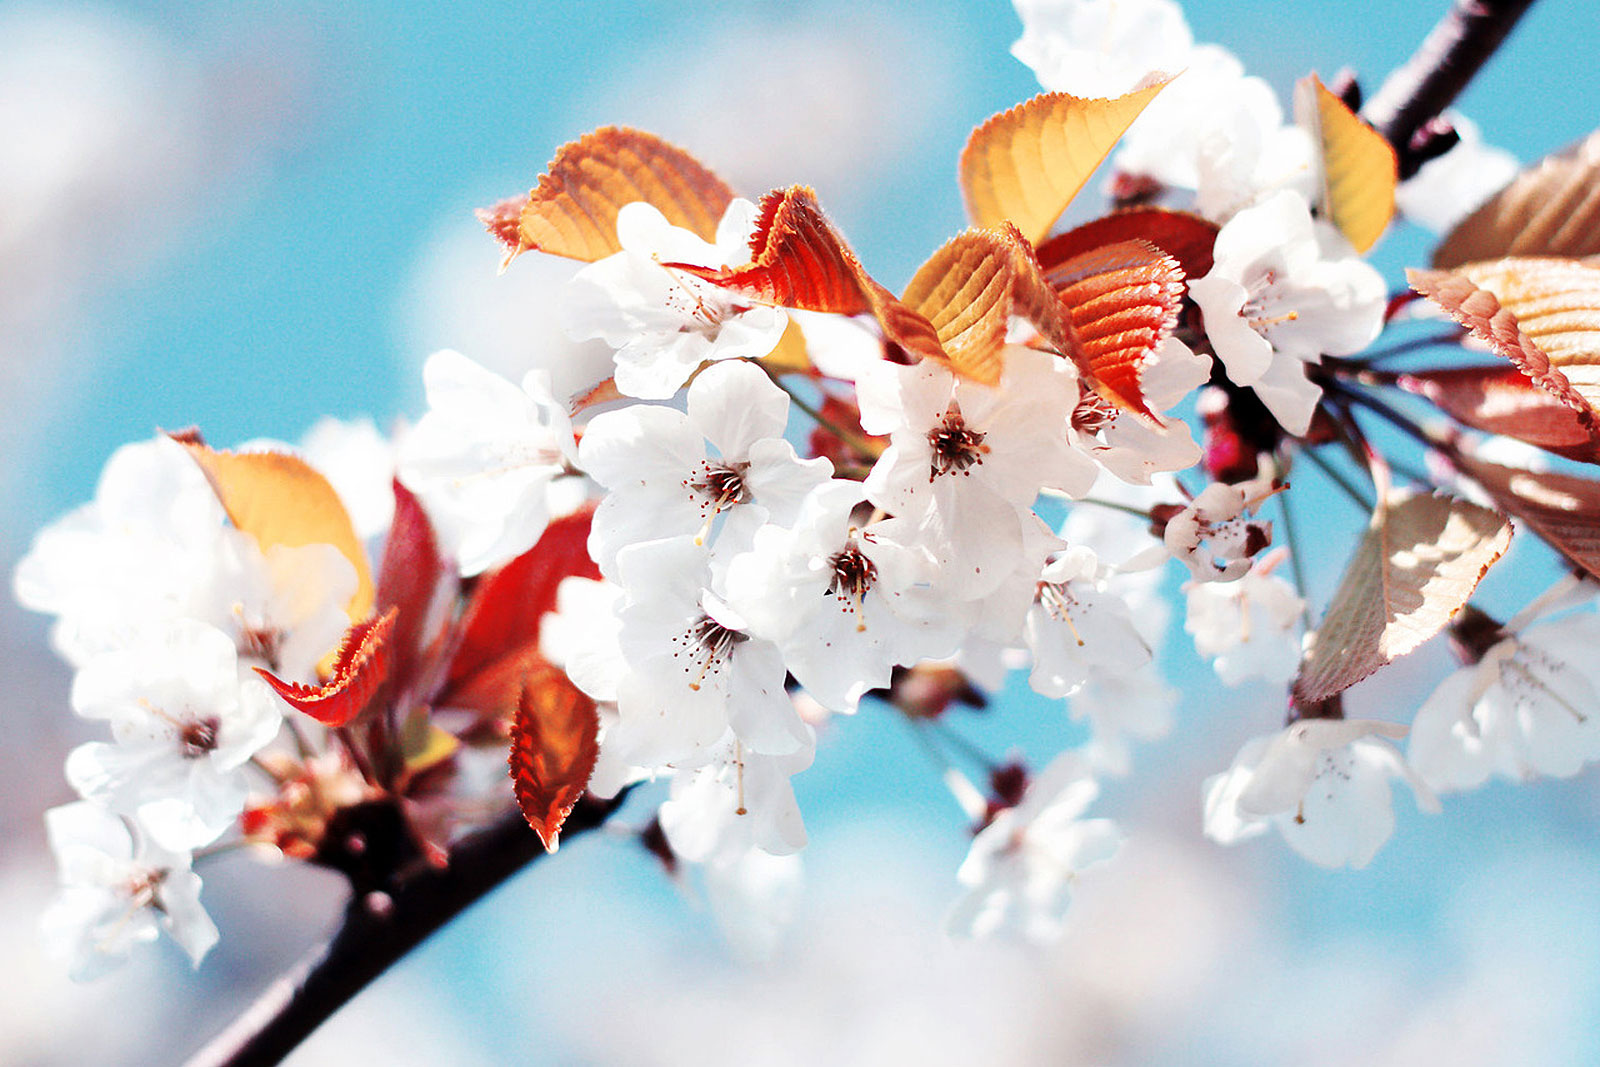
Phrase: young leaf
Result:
[969,290]
[554,743]
[1419,561]
[798,260]
[1551,209]
[1563,510]
[1502,400]
[281,499]
[1541,314]
[1187,238]
[1025,165]
[501,623]
[414,580]
[359,669]
[572,212]
[1123,300]
[1359,169]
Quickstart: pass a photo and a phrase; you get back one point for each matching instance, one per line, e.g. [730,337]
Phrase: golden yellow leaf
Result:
[1359,168]
[970,288]
[572,212]
[280,499]
[1418,563]
[1025,165]
[1551,209]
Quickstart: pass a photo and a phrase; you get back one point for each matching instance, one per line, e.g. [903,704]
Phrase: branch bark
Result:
[1414,95]
[390,913]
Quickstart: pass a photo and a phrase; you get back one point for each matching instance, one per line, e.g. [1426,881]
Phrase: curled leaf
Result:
[1561,509]
[1502,400]
[1417,564]
[1122,300]
[359,669]
[1359,168]
[1025,165]
[969,290]
[280,499]
[1541,314]
[554,743]
[1550,209]
[414,581]
[798,260]
[1187,238]
[572,212]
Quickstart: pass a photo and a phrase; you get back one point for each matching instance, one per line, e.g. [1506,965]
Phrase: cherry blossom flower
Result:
[1077,626]
[734,802]
[483,457]
[845,603]
[183,727]
[116,894]
[1284,292]
[358,461]
[663,322]
[1021,869]
[1133,448]
[965,460]
[1215,536]
[1248,628]
[664,480]
[1099,48]
[1530,706]
[1121,706]
[129,558]
[692,668]
[1323,783]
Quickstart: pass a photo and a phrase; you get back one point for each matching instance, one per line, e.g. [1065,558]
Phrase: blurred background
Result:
[246,217]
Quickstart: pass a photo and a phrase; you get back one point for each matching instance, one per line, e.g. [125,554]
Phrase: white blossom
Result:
[359,462]
[1022,867]
[1100,48]
[1076,625]
[735,801]
[483,457]
[664,322]
[1450,187]
[1248,628]
[115,894]
[1216,535]
[1323,783]
[1284,292]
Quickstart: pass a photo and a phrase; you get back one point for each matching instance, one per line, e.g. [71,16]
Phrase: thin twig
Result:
[1337,479]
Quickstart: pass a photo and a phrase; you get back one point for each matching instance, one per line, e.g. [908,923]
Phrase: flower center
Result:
[1260,311]
[853,574]
[955,447]
[1058,602]
[196,737]
[262,643]
[720,485]
[1093,414]
[707,644]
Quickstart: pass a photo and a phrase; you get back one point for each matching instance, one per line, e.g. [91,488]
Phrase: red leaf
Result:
[1187,238]
[554,742]
[1563,510]
[1123,300]
[501,622]
[798,260]
[1502,400]
[411,580]
[360,668]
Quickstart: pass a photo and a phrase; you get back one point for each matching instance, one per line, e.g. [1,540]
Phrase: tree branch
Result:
[390,913]
[1441,67]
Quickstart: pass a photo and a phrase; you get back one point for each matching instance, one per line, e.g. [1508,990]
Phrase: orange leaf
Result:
[359,668]
[798,260]
[1187,238]
[1025,165]
[572,212]
[1502,400]
[1541,314]
[1563,510]
[1551,209]
[281,499]
[554,743]
[1123,301]
[1359,168]
[970,288]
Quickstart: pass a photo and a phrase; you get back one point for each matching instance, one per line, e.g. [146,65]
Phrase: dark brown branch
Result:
[389,915]
[1414,95]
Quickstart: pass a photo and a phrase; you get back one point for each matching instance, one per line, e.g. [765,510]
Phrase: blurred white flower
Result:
[1450,187]
[1248,628]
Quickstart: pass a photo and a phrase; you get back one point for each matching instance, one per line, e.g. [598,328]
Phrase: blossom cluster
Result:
[793,505]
